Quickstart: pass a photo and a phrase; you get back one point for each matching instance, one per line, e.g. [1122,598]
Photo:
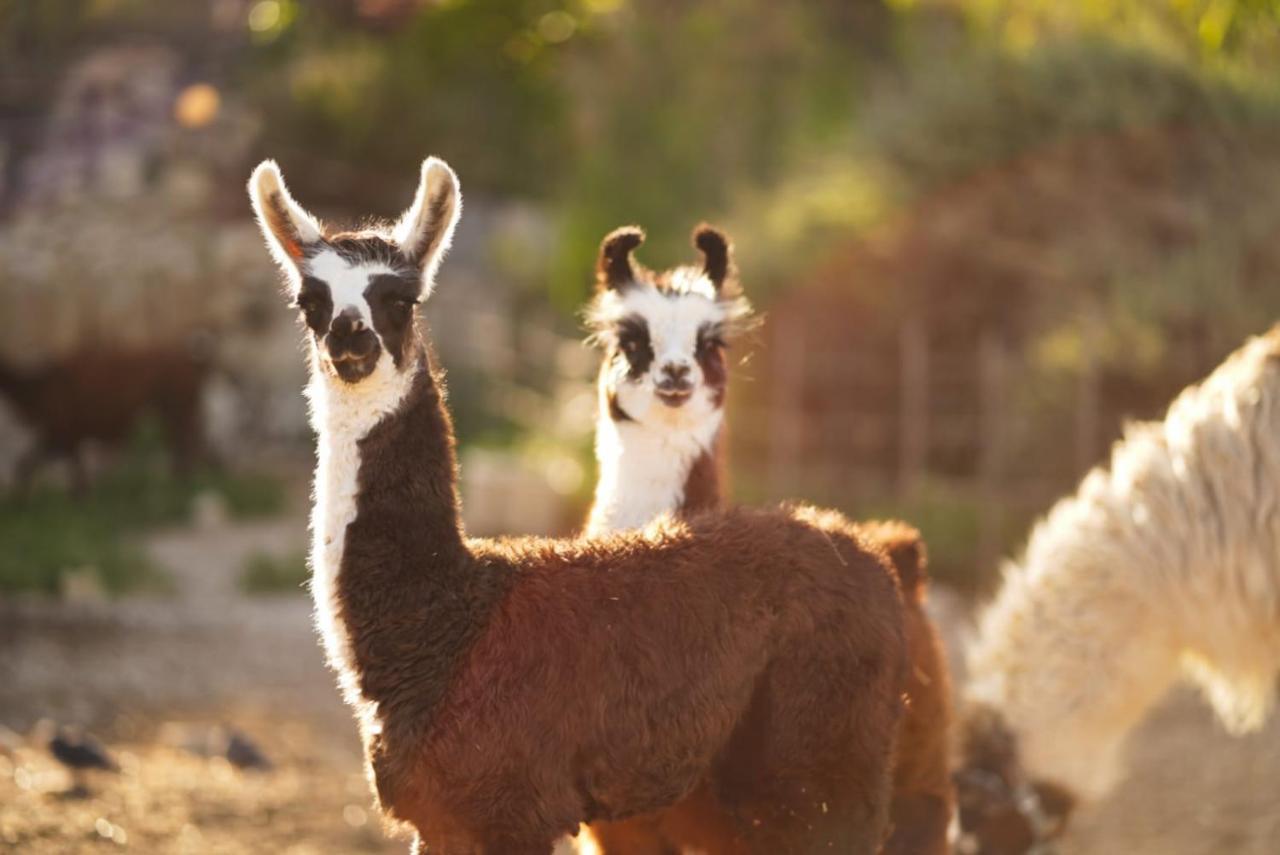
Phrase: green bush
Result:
[50,532]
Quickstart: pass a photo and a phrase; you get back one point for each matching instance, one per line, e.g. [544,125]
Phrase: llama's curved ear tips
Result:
[715,248]
[288,229]
[426,229]
[613,268]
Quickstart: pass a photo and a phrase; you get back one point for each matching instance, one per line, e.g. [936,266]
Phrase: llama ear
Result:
[287,227]
[426,229]
[717,254]
[613,267]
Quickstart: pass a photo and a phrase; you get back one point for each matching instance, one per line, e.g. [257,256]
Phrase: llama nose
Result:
[346,323]
[675,376]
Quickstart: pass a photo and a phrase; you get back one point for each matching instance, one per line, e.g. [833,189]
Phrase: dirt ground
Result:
[150,675]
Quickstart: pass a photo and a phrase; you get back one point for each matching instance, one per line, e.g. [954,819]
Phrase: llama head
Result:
[1002,812]
[664,335]
[357,290]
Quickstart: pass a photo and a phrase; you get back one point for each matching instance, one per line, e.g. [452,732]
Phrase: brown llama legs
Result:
[697,823]
[923,795]
[462,843]
[638,835]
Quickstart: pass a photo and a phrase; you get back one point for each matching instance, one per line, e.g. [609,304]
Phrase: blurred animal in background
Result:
[660,446]
[1164,565]
[121,321]
[672,649]
[100,395]
[77,750]
[243,753]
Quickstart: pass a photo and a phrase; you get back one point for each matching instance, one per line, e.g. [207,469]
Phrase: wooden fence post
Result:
[1087,396]
[913,410]
[786,416]
[992,423]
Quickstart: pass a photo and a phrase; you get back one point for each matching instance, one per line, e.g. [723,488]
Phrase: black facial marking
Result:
[366,248]
[316,304]
[615,409]
[391,299]
[634,345]
[711,359]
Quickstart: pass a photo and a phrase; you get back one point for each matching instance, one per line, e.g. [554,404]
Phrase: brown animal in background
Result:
[660,420]
[100,394]
[508,690]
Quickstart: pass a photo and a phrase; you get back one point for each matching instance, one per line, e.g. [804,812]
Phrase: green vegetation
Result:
[51,532]
[1110,166]
[274,574]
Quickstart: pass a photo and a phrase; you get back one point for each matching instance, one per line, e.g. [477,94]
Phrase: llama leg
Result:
[923,796]
[699,823]
[80,482]
[24,473]
[518,845]
[640,835]
[919,825]
[185,435]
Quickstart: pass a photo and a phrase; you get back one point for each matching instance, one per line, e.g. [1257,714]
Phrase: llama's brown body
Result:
[516,688]
[923,798]
[100,395]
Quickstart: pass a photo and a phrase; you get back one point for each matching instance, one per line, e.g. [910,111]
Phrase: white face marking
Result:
[673,323]
[347,282]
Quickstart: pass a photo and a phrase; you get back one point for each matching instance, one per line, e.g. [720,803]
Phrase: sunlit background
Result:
[983,233]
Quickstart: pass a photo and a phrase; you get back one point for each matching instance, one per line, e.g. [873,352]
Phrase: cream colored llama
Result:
[1164,565]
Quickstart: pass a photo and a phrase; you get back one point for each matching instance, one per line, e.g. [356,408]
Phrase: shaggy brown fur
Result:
[923,798]
[508,690]
[524,685]
[99,395]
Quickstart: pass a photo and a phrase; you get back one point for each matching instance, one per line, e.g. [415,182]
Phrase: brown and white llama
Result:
[1164,565]
[507,690]
[659,444]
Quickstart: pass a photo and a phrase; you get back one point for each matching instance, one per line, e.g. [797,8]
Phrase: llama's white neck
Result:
[644,468]
[342,414]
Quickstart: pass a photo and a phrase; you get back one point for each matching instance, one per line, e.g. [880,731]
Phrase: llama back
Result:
[1163,560]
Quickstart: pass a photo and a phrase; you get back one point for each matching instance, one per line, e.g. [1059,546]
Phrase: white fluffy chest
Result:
[643,470]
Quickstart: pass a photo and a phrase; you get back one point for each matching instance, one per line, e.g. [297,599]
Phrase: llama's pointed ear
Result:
[717,254]
[426,229]
[613,267]
[288,228]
